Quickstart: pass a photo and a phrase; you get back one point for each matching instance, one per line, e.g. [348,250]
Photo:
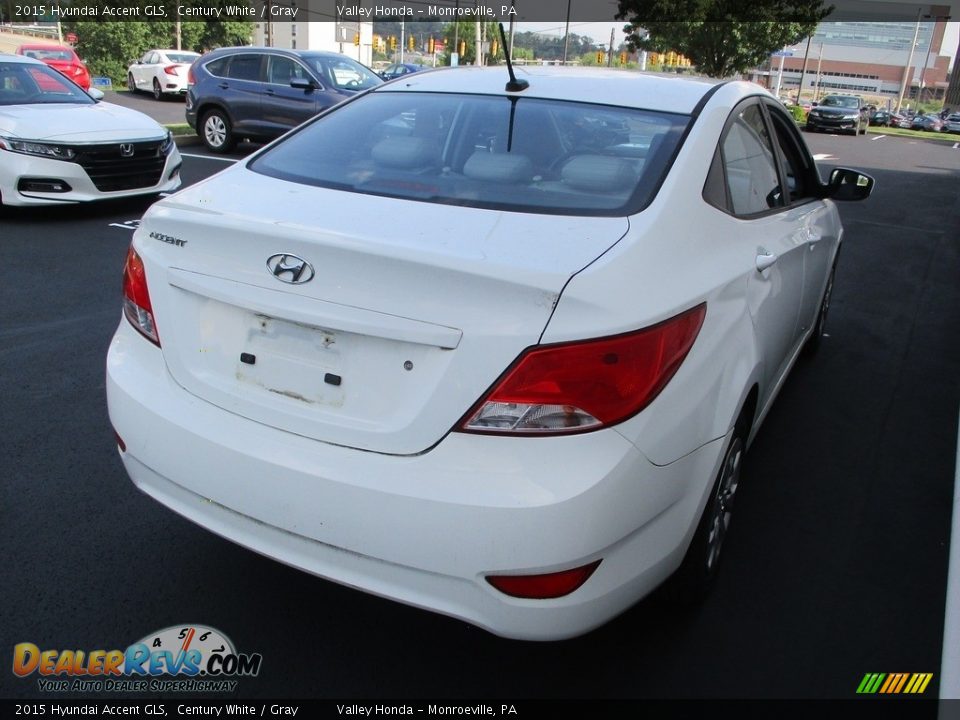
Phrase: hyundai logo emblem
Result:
[290,268]
[126,150]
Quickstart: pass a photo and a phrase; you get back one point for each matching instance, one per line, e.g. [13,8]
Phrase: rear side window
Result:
[522,154]
[217,67]
[244,67]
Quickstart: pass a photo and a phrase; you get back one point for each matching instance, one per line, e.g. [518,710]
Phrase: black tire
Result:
[217,132]
[816,337]
[131,85]
[698,572]
[157,92]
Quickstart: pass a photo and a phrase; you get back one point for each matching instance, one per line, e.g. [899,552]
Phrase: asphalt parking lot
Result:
[836,562]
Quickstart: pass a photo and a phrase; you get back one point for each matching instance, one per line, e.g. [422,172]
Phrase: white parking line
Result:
[823,156]
[208,157]
[956,145]
[878,137]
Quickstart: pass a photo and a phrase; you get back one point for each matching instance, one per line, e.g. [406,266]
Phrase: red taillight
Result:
[170,69]
[136,297]
[190,75]
[581,386]
[543,587]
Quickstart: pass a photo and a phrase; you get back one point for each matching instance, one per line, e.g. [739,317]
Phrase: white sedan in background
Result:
[161,72]
[61,145]
[494,350]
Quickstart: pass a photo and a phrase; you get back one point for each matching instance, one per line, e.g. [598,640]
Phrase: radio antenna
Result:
[513,85]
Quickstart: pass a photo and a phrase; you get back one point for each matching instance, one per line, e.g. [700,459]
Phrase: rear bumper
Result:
[426,529]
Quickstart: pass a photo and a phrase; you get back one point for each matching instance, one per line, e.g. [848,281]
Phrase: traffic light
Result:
[393,42]
[494,46]
[599,57]
[654,58]
[356,39]
[462,49]
[411,43]
[623,58]
[432,46]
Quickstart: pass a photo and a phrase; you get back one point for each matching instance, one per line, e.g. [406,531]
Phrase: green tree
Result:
[109,47]
[705,30]
[466,31]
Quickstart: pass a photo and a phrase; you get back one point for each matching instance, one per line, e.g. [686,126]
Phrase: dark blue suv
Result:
[260,93]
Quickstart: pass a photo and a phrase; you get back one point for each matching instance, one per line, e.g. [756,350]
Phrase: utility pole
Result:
[907,68]
[179,36]
[478,60]
[806,56]
[816,94]
[269,26]
[403,41]
[610,51]
[566,35]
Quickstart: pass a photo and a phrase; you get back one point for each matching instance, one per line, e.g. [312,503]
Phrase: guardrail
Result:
[32,30]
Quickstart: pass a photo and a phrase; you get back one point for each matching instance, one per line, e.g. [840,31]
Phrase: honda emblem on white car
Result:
[126,150]
[290,268]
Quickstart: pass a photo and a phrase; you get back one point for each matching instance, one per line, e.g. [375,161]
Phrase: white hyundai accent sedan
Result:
[60,145]
[497,354]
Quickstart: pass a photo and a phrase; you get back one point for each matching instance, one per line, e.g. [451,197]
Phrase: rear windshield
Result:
[49,54]
[522,154]
[182,57]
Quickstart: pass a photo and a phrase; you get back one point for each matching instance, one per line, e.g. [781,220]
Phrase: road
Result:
[835,566]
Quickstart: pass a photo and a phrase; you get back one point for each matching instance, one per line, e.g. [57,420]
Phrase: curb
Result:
[186,140]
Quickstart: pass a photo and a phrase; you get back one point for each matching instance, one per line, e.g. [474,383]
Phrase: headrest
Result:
[599,173]
[498,167]
[406,152]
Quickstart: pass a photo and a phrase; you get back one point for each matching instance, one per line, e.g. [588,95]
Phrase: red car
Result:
[60,58]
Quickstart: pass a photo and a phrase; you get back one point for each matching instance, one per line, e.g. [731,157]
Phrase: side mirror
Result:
[95,94]
[848,184]
[304,84]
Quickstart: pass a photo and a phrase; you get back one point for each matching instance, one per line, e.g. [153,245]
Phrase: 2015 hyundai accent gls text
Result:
[497,353]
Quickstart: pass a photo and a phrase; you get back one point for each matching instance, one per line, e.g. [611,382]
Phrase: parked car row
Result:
[885,118]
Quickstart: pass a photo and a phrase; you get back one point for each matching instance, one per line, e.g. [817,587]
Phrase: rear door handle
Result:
[223,86]
[765,260]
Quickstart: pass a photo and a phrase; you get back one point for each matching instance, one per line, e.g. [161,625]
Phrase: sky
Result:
[600,32]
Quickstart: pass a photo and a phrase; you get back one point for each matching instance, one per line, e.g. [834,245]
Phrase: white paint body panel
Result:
[373,491]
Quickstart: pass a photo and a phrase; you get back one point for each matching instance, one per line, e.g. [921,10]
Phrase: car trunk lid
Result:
[414,309]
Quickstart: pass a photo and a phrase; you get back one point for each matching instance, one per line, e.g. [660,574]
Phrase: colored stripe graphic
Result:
[870,683]
[894,683]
